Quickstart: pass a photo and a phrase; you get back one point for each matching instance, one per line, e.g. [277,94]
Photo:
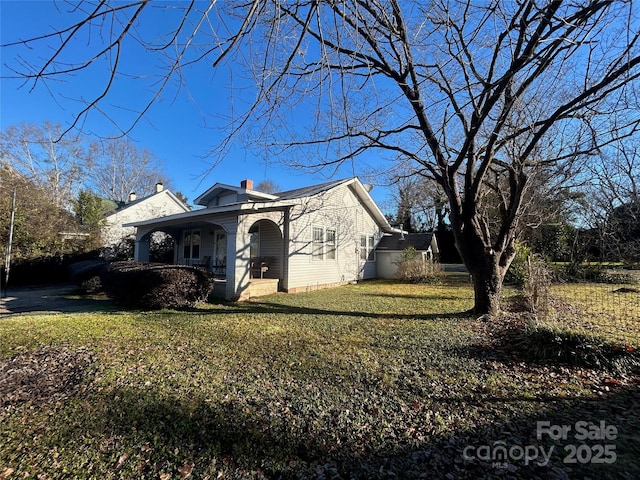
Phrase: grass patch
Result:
[610,312]
[373,380]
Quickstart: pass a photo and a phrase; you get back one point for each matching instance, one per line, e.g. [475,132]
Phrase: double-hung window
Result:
[324,244]
[366,247]
[330,243]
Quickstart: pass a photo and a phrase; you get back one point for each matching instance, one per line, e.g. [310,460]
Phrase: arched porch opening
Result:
[161,247]
[157,246]
[266,250]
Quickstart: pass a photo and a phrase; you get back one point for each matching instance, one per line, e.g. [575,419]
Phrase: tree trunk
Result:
[487,288]
[486,266]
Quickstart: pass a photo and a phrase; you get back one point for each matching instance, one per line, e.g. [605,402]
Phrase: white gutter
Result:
[368,201]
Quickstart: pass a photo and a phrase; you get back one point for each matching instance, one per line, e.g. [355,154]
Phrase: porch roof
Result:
[241,207]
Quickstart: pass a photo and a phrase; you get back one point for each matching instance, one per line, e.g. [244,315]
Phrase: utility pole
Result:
[7,262]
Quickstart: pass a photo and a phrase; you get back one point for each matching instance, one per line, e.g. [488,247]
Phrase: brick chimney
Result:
[247,184]
[159,187]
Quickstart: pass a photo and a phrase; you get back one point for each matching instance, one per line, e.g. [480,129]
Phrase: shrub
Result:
[413,268]
[156,286]
[44,270]
[86,274]
[545,343]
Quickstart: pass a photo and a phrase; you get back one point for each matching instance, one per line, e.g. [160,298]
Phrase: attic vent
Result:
[132,196]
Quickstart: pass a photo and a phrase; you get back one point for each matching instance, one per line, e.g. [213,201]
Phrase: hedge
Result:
[156,286]
[86,274]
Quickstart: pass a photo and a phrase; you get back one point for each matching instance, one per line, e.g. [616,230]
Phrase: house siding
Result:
[338,209]
[154,206]
[271,249]
[386,264]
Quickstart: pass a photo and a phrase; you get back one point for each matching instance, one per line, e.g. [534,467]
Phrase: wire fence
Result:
[608,306]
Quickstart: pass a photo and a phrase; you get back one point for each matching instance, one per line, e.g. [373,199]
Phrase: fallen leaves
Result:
[48,374]
[186,469]
[7,473]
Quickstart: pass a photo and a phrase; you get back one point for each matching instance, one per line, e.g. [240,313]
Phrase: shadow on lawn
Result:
[279,308]
[240,438]
[434,296]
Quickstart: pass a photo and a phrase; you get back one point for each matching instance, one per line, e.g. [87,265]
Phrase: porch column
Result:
[238,260]
[286,234]
[142,247]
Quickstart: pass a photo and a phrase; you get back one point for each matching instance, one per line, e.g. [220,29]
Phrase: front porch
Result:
[245,253]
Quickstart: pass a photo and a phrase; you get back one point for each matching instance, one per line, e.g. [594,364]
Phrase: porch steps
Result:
[259,287]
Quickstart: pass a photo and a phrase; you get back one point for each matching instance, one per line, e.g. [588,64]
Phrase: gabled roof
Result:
[124,206]
[311,190]
[397,241]
[220,188]
[265,202]
[360,190]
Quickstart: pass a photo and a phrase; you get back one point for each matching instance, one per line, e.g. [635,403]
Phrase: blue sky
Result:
[180,128]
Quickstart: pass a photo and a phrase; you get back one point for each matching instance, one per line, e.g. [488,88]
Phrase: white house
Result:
[390,248]
[256,243]
[159,204]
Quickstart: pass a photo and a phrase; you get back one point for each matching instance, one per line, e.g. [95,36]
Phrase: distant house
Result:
[389,250]
[159,204]
[256,243]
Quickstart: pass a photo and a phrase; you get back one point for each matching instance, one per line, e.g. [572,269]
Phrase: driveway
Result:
[51,299]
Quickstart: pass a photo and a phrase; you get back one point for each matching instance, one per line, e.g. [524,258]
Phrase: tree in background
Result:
[90,210]
[267,186]
[613,210]
[420,204]
[40,225]
[180,196]
[57,166]
[482,97]
[122,168]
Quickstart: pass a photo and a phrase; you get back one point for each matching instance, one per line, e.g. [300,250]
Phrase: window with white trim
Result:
[330,243]
[324,244]
[366,247]
[317,245]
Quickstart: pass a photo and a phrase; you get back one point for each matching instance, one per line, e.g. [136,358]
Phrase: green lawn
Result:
[376,380]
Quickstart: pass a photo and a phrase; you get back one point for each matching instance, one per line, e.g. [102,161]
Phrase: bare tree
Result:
[420,203]
[613,209]
[480,96]
[122,168]
[267,186]
[56,167]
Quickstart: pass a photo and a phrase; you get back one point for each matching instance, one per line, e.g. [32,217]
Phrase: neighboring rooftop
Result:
[397,241]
